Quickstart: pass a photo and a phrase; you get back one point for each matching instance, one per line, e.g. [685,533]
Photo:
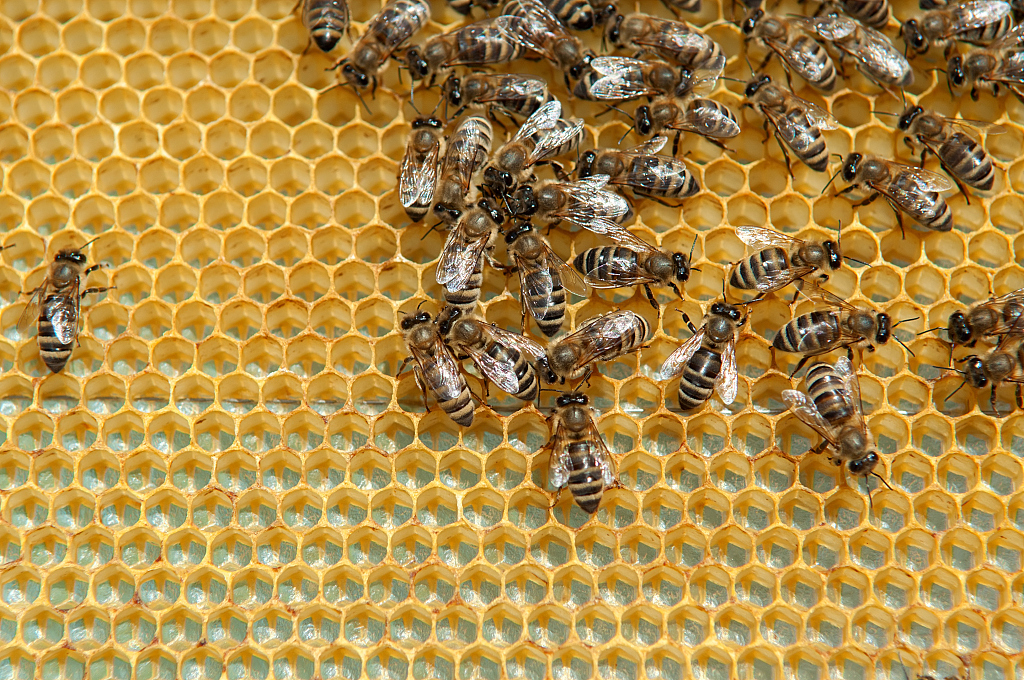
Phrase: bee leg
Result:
[766,133]
[800,364]
[995,406]
[87,291]
[92,268]
[1020,398]
[423,387]
[651,298]
[675,142]
[676,289]
[899,215]
[689,324]
[785,154]
[558,494]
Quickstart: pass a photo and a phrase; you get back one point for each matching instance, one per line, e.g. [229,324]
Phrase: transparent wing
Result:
[1011,68]
[817,116]
[515,340]
[1012,40]
[845,371]
[706,118]
[591,207]
[650,147]
[760,238]
[558,467]
[728,380]
[678,42]
[469,146]
[803,408]
[980,125]
[775,280]
[398,22]
[818,294]
[30,315]
[676,362]
[878,55]
[621,78]
[551,142]
[62,313]
[537,279]
[571,280]
[602,454]
[502,372]
[804,63]
[792,132]
[909,188]
[602,335]
[514,86]
[831,28]
[459,257]
[543,118]
[970,15]
[437,358]
[417,180]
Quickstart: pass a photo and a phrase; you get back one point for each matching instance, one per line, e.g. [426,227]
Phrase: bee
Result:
[543,278]
[642,170]
[633,262]
[579,456]
[539,138]
[700,115]
[466,151]
[832,408]
[435,367]
[56,306]
[396,22]
[505,358]
[1002,364]
[979,22]
[873,13]
[460,267]
[706,363]
[601,338]
[800,53]
[584,202]
[674,41]
[326,20]
[780,260]
[624,78]
[907,189]
[491,41]
[545,35]
[418,176]
[1001,64]
[874,54]
[576,14]
[960,154]
[996,316]
[797,123]
[842,325]
[512,93]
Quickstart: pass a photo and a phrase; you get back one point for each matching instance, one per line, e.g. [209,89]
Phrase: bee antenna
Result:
[903,97]
[940,70]
[609,109]
[430,230]
[689,257]
[81,247]
[930,330]
[413,103]
[833,179]
[885,113]
[913,318]
[904,346]
[948,396]
[943,368]
[880,477]
[855,260]
[749,65]
[631,127]
[422,302]
[734,80]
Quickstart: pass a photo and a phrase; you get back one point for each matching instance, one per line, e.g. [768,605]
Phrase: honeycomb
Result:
[228,481]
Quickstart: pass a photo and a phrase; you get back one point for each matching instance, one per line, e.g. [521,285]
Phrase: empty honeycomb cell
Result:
[82,36]
[18,72]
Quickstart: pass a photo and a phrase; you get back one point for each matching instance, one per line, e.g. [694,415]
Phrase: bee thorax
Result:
[421,336]
[862,324]
[1000,365]
[561,358]
[575,418]
[853,442]
[719,329]
[465,332]
[661,266]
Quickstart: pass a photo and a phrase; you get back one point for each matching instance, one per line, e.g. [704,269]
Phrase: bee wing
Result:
[650,147]
[459,257]
[878,55]
[515,340]
[1013,39]
[450,381]
[803,62]
[1011,66]
[621,78]
[704,117]
[591,206]
[818,294]
[970,15]
[913,196]
[537,290]
[558,466]
[554,140]
[803,408]
[543,118]
[831,28]
[603,334]
[469,146]
[502,372]
[980,125]
[678,39]
[398,22]
[517,87]
[781,278]
[759,238]
[700,82]
[844,370]
[601,453]
[818,117]
[677,360]
[728,380]
[62,313]
[30,314]
[417,181]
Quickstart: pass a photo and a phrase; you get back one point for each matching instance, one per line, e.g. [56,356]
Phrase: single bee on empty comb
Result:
[579,456]
[326,20]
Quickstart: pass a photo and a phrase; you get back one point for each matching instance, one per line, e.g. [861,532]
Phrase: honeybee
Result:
[435,368]
[979,22]
[874,54]
[780,260]
[832,408]
[539,138]
[466,151]
[56,306]
[504,358]
[326,21]
[491,41]
[513,93]
[996,316]
[797,123]
[623,78]
[841,325]
[584,202]
[633,262]
[579,456]
[576,14]
[1002,364]
[642,170]
[873,13]
[545,35]
[395,23]
[460,267]
[960,154]
[418,176]
[706,363]
[674,41]
[1001,64]
[700,115]
[907,189]
[543,278]
[800,53]
[601,338]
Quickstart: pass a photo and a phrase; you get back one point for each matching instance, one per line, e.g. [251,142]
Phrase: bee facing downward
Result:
[56,304]
[579,456]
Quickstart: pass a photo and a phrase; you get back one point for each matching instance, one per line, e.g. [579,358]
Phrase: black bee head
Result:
[453,90]
[864,466]
[615,29]
[414,320]
[754,85]
[447,318]
[851,165]
[517,231]
[884,328]
[913,36]
[955,71]
[585,168]
[959,330]
[496,215]
[974,371]
[751,21]
[723,309]
[602,15]
[355,76]
[643,121]
[525,201]
[681,263]
[431,122]
[835,258]
[71,255]
[576,70]
[418,67]
[572,398]
[908,117]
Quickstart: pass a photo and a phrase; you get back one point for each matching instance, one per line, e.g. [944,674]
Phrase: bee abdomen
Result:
[987,34]
[606,263]
[674,181]
[749,271]
[548,306]
[698,380]
[808,144]
[458,408]
[53,352]
[968,160]
[586,483]
[525,373]
[465,300]
[874,13]
[827,390]
[809,333]
[822,75]
[327,21]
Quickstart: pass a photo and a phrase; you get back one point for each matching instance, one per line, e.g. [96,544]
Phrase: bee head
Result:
[602,15]
[71,255]
[754,85]
[447,318]
[955,71]
[572,398]
[959,330]
[577,69]
[643,121]
[452,89]
[355,76]
[835,258]
[614,31]
[913,36]
[499,180]
[751,21]
[418,67]
[525,201]
[443,211]
[517,231]
[430,122]
[851,165]
[494,213]
[884,331]
[586,164]
[908,117]
[974,371]
[681,263]
[864,466]
[414,320]
[723,309]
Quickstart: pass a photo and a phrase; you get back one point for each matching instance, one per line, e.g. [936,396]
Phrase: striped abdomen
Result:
[709,118]
[930,211]
[586,482]
[812,333]
[749,271]
[527,376]
[483,45]
[52,351]
[874,13]
[987,34]
[465,300]
[576,14]
[327,21]
[453,398]
[545,297]
[606,264]
[815,67]
[828,391]
[660,178]
[697,383]
[968,161]
[565,147]
[805,140]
